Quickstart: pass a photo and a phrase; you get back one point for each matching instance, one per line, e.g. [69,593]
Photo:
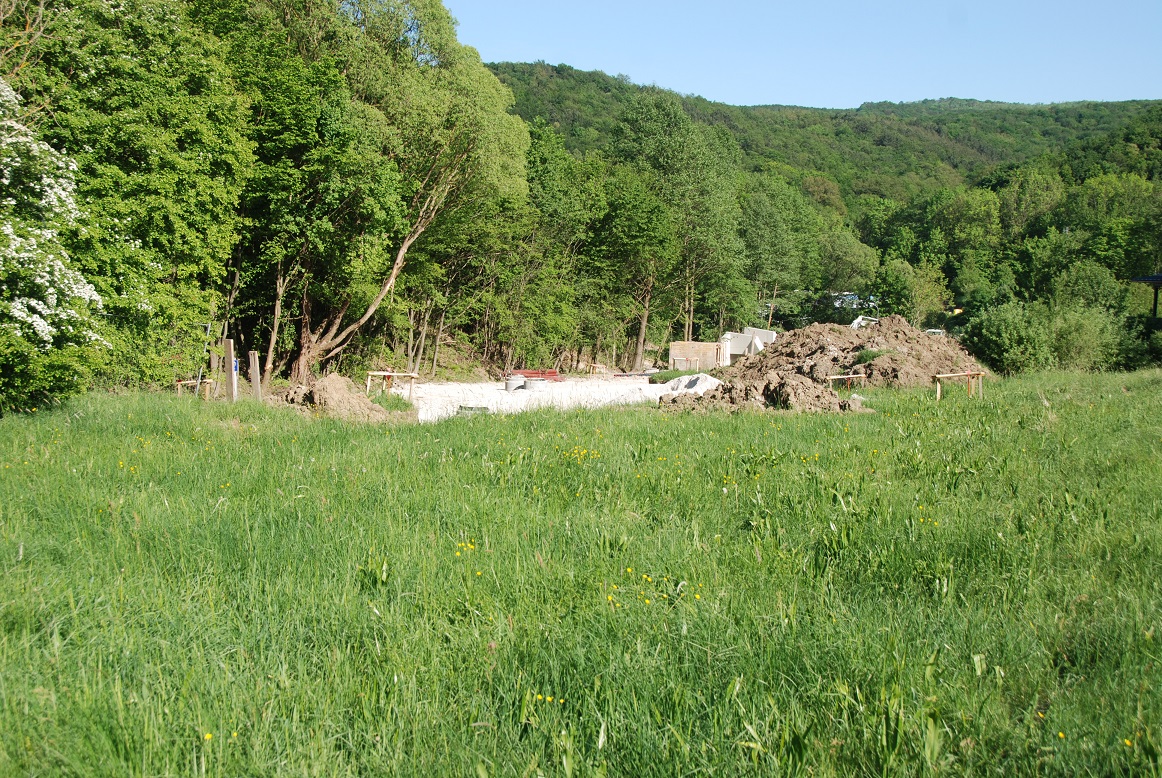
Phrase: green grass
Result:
[970,587]
[392,402]
[868,354]
[666,376]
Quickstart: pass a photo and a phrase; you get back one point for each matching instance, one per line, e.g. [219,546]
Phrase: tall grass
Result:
[969,587]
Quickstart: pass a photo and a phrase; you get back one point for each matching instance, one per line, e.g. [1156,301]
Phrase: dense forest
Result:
[345,185]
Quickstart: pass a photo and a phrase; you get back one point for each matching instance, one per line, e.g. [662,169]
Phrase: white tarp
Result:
[698,384]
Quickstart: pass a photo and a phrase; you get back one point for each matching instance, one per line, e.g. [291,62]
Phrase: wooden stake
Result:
[256,376]
[231,370]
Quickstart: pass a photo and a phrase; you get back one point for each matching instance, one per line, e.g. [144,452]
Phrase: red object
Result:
[548,375]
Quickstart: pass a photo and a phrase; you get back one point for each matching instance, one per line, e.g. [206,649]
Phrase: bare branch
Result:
[22,24]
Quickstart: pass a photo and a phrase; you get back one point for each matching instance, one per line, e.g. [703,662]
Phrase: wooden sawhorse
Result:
[971,377]
[385,379]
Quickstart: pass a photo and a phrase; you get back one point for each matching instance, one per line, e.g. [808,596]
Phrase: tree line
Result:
[342,185]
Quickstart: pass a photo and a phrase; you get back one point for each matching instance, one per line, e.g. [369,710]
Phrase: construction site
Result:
[797,370]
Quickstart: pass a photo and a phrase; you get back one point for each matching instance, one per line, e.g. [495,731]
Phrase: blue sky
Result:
[839,53]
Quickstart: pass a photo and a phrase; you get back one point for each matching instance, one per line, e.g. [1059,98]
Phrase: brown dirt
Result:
[792,372]
[338,397]
[779,389]
[910,357]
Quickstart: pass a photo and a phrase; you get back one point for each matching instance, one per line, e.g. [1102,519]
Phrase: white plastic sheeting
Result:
[437,401]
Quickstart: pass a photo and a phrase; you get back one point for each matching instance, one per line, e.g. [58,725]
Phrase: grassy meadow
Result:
[969,588]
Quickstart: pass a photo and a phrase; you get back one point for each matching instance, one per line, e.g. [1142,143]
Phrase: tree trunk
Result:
[771,315]
[688,311]
[280,289]
[329,340]
[411,338]
[436,347]
[415,368]
[639,354]
[308,346]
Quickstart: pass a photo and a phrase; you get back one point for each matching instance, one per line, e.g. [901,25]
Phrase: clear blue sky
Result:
[838,53]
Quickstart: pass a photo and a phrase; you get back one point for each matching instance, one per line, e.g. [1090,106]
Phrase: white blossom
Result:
[42,299]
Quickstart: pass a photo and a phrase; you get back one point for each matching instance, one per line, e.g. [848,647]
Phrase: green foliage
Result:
[48,338]
[145,103]
[32,378]
[1084,337]
[1011,338]
[1090,284]
[920,294]
[897,150]
[872,593]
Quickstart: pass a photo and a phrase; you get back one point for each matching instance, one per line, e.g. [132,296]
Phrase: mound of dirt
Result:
[778,389]
[338,397]
[907,358]
[792,372]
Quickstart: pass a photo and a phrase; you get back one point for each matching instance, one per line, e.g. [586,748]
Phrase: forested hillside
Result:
[887,149]
[339,186]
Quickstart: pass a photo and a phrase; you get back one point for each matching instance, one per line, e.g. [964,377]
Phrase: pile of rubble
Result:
[792,373]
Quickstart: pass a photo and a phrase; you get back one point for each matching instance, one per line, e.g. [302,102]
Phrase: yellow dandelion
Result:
[540,696]
[1128,743]
[208,737]
[1061,735]
[550,699]
[697,596]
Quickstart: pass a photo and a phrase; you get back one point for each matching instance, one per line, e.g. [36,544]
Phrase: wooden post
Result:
[256,376]
[231,370]
[215,376]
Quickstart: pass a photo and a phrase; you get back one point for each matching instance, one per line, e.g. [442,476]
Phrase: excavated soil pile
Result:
[909,357]
[776,389]
[792,372]
[338,397]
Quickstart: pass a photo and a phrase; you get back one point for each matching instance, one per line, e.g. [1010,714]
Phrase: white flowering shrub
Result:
[48,337]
